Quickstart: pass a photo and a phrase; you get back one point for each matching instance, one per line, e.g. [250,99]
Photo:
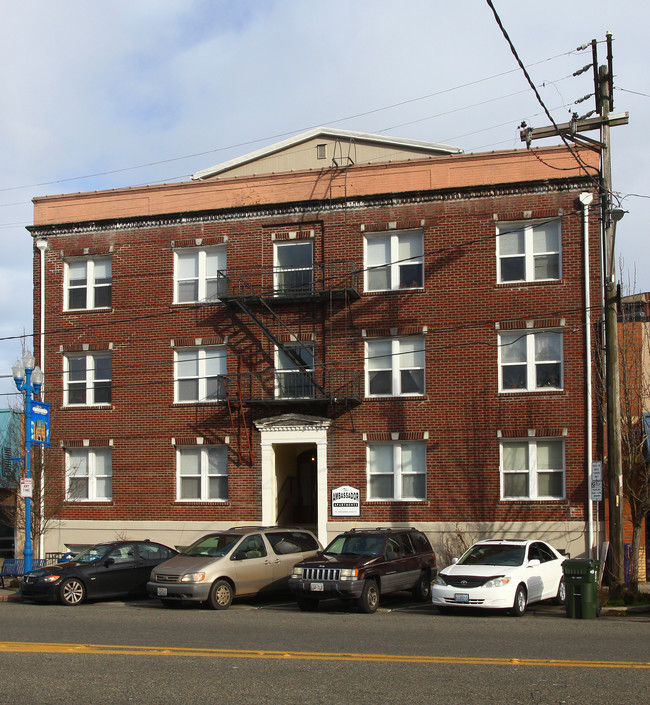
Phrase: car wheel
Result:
[422,589]
[560,598]
[307,604]
[221,594]
[519,605]
[72,592]
[369,600]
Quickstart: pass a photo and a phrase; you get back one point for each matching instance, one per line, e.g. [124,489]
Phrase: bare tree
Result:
[634,363]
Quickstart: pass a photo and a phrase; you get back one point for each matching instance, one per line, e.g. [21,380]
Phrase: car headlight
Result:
[440,580]
[296,572]
[349,574]
[50,578]
[193,578]
[497,582]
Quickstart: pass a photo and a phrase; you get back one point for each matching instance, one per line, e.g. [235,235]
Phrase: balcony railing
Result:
[335,279]
[296,386]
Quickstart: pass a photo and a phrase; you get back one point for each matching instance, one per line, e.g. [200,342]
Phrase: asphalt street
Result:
[267,651]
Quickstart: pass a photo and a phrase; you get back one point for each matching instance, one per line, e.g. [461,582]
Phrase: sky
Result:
[101,95]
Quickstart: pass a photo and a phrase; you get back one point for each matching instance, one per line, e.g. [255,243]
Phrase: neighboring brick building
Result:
[338,311]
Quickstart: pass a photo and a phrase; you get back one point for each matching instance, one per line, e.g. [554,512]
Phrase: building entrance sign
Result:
[346,502]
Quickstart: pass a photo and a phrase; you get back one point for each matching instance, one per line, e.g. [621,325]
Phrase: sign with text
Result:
[39,423]
[346,502]
[597,481]
[26,486]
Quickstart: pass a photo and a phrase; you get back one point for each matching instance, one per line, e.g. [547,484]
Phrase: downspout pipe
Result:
[586,199]
[41,244]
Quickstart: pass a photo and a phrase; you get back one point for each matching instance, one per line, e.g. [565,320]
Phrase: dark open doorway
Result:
[295,466]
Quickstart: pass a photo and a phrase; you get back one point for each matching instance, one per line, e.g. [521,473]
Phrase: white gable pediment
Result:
[292,422]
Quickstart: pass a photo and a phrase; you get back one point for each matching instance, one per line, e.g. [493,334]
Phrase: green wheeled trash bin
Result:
[581,581]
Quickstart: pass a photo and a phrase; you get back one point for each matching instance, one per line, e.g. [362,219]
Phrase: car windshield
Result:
[357,545]
[494,554]
[214,545]
[93,553]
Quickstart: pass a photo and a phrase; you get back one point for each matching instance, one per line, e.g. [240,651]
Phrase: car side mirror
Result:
[534,562]
[454,561]
[109,562]
[239,556]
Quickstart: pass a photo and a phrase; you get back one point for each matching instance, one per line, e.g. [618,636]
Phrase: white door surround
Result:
[293,428]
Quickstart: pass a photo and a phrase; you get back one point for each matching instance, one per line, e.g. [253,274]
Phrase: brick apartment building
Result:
[394,320]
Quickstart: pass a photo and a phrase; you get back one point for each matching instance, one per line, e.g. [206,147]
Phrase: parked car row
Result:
[358,567]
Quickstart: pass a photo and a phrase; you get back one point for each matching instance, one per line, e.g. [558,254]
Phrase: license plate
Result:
[316,587]
[161,592]
[461,597]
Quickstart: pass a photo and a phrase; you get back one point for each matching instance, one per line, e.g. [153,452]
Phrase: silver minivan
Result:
[232,563]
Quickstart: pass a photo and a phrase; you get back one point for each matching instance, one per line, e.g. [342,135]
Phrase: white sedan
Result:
[501,574]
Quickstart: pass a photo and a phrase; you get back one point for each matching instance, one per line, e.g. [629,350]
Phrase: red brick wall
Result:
[459,305]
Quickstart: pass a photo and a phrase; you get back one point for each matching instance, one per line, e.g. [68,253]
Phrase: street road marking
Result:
[38,647]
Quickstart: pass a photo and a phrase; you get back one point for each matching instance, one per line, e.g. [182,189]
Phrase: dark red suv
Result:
[362,564]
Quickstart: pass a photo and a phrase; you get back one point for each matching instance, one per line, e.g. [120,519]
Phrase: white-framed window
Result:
[87,379]
[397,471]
[528,252]
[531,361]
[294,267]
[88,474]
[199,374]
[202,473]
[532,468]
[88,283]
[394,260]
[395,367]
[197,273]
[294,372]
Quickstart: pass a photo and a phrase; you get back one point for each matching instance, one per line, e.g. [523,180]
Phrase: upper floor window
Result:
[202,473]
[395,367]
[529,252]
[397,471]
[197,274]
[531,361]
[88,283]
[294,372]
[532,468]
[89,474]
[394,260]
[199,374]
[294,267]
[87,379]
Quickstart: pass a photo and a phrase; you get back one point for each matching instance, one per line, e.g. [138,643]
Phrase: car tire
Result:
[369,600]
[72,592]
[560,598]
[221,594]
[519,605]
[422,589]
[307,604]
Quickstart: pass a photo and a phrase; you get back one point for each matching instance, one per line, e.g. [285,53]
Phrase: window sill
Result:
[186,404]
[529,392]
[519,284]
[85,407]
[103,502]
[202,503]
[99,309]
[383,292]
[527,502]
[404,397]
[376,502]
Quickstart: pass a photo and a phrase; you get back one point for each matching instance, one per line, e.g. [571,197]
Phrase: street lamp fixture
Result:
[28,379]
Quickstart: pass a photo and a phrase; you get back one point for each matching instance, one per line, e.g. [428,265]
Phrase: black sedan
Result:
[107,570]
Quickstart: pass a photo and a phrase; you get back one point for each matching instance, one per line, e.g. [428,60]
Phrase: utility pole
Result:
[603,93]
